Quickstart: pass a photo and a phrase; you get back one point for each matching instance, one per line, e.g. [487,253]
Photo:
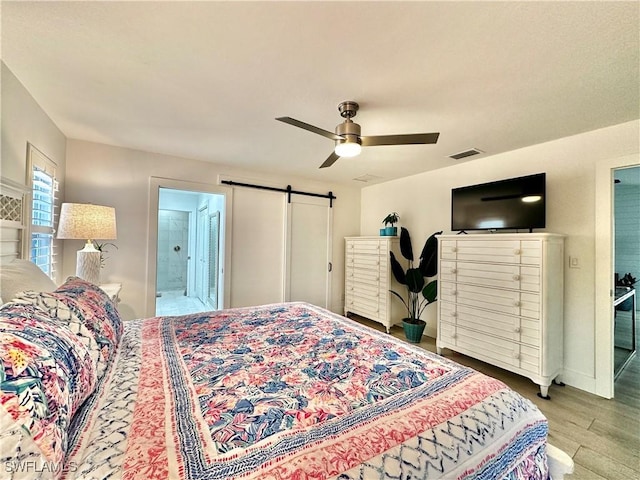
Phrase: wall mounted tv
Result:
[514,203]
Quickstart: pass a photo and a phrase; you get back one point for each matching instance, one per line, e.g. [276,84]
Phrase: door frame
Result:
[155,183]
[201,284]
[604,281]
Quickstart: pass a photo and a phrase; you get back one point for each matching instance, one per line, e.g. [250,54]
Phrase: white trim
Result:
[604,271]
[155,183]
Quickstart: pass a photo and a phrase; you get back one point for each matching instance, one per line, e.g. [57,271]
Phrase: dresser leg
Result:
[388,329]
[544,392]
[439,350]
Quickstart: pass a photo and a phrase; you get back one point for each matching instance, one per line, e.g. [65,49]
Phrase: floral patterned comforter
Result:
[292,391]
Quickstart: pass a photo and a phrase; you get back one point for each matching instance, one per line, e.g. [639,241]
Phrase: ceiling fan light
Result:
[347,149]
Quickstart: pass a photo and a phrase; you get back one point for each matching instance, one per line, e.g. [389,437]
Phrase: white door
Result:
[214,260]
[257,250]
[309,250]
[202,255]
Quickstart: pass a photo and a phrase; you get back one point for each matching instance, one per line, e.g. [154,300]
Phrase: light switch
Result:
[574,262]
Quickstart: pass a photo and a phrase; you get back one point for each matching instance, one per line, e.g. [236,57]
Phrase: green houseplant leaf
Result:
[419,293]
[405,244]
[415,280]
[429,256]
[430,291]
[391,219]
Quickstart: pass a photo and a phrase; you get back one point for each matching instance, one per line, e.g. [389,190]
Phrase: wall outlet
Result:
[574,262]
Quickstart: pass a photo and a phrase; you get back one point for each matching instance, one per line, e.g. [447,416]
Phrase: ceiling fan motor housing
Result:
[350,131]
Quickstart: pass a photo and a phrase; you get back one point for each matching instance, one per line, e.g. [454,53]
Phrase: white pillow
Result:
[20,275]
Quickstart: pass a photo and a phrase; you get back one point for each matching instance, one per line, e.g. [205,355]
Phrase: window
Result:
[42,179]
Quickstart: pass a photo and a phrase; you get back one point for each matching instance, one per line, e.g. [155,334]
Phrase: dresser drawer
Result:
[495,350]
[509,302]
[365,307]
[370,277]
[526,252]
[516,277]
[367,261]
[366,247]
[517,329]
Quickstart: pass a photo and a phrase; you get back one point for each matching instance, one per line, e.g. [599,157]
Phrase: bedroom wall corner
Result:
[424,203]
[23,121]
[119,177]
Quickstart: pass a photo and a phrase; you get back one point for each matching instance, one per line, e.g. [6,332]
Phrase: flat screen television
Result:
[514,203]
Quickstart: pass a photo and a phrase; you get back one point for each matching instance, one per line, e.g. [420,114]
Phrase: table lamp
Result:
[88,222]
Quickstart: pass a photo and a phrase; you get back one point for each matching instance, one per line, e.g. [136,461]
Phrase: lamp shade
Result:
[86,221]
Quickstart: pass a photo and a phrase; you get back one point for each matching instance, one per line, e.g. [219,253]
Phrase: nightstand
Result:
[113,290]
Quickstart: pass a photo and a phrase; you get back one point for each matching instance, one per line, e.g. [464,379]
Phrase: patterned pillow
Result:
[97,311]
[46,373]
[66,312]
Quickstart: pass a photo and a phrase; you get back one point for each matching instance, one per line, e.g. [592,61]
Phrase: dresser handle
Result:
[518,303]
[454,314]
[516,277]
[454,249]
[516,355]
[517,251]
[454,270]
[454,293]
[517,329]
[455,335]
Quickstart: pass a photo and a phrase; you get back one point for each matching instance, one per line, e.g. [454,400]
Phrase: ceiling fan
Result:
[348,139]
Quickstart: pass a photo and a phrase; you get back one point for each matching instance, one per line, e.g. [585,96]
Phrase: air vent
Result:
[465,154]
[366,178]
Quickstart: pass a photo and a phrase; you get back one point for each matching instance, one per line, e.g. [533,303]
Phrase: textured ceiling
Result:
[205,80]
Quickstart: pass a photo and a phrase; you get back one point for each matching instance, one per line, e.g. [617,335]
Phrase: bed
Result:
[282,391]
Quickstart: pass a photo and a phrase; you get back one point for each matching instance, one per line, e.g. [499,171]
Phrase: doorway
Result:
[626,216]
[189,226]
[187,259]
[605,271]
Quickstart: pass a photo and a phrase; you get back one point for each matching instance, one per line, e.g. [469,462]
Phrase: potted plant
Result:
[419,293]
[102,248]
[390,221]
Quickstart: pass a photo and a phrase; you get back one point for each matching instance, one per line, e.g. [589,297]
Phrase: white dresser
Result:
[500,300]
[368,279]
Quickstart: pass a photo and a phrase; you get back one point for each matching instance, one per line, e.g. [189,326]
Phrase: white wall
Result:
[424,201]
[23,120]
[119,177]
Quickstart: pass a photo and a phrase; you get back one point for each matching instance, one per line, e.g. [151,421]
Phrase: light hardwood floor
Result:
[602,436]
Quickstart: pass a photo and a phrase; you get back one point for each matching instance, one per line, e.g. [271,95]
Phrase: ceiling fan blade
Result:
[330,160]
[407,139]
[311,128]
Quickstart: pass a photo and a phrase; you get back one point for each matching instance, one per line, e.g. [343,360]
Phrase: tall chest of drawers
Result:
[500,300]
[368,279]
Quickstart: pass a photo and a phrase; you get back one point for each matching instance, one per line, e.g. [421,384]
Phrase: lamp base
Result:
[88,264]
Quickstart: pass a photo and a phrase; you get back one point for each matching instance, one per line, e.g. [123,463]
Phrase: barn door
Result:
[309,250]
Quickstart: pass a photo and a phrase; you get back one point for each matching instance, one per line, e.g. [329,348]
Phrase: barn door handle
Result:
[330,266]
